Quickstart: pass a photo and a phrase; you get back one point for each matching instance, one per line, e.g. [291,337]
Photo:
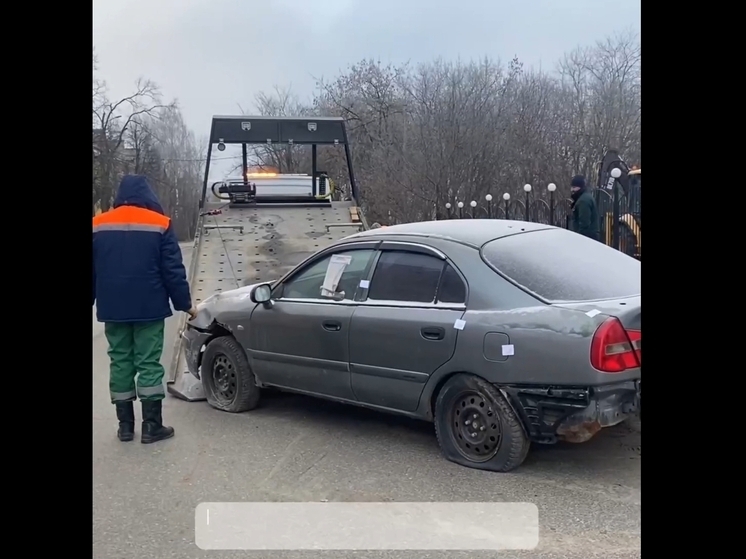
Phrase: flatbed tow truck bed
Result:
[245,245]
[246,236]
[248,245]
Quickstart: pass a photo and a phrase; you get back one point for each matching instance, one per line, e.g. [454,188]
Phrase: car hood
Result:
[215,306]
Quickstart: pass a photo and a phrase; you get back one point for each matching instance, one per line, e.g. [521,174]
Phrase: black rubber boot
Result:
[126,417]
[153,429]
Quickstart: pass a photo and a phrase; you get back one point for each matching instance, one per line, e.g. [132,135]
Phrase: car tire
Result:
[227,378]
[497,442]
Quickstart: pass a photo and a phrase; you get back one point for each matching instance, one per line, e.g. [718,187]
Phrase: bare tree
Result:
[182,163]
[603,85]
[280,158]
[141,134]
[112,120]
[444,132]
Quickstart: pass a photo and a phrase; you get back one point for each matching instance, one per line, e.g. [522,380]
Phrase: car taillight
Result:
[615,349]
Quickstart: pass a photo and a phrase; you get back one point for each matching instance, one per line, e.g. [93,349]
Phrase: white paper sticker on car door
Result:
[334,272]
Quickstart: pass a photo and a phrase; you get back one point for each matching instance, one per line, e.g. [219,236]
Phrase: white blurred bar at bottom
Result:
[366,526]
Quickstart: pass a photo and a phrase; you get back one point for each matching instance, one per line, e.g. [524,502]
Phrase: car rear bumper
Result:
[192,344]
[573,414]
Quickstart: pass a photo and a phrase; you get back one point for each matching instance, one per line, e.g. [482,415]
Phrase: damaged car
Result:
[502,333]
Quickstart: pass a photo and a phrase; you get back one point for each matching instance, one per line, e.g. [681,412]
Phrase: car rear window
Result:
[560,265]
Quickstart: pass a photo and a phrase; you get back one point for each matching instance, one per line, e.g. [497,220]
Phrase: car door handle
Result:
[332,325]
[433,333]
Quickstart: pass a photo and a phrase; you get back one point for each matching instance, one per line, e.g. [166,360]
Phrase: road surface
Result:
[295,448]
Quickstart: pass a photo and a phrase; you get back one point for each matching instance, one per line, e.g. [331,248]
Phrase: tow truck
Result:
[619,202]
[259,226]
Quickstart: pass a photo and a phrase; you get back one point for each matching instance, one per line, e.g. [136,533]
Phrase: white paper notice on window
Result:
[334,272]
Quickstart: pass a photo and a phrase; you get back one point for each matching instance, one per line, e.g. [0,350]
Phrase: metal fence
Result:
[618,210]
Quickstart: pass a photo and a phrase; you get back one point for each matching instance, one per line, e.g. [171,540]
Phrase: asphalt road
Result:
[295,448]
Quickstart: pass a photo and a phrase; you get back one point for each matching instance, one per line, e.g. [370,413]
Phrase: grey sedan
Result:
[501,333]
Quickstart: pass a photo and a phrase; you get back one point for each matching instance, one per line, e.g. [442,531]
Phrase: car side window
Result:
[452,288]
[307,283]
[405,276]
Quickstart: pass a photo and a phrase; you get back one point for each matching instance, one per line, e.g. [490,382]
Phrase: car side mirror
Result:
[261,294]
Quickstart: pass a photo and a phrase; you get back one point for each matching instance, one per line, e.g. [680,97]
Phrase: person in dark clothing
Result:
[584,211]
[137,268]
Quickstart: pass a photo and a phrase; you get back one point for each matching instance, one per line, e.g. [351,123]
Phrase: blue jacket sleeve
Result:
[173,272]
[93,285]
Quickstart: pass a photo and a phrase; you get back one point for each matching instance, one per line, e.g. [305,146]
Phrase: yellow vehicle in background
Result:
[619,194]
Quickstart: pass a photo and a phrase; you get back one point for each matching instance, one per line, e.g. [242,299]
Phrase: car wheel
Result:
[227,379]
[476,426]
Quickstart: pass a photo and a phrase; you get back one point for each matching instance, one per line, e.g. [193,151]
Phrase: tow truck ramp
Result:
[260,226]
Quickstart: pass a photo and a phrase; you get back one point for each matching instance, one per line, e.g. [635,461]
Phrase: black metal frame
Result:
[547,411]
[531,208]
[544,408]
[245,130]
[617,201]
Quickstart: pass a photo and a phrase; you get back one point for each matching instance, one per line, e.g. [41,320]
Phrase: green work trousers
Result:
[135,349]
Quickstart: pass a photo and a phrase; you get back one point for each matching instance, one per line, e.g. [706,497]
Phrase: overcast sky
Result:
[214,54]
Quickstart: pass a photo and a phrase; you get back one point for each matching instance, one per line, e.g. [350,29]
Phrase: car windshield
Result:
[560,265]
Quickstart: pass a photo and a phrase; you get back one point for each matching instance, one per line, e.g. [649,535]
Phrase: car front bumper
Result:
[192,344]
[573,414]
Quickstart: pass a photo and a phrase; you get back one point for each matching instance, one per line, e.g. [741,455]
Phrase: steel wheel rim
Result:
[475,427]
[224,380]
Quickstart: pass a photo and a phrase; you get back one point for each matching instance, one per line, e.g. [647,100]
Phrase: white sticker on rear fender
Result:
[593,313]
[508,350]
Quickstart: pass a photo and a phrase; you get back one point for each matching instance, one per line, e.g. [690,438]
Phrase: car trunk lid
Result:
[616,344]
[628,310]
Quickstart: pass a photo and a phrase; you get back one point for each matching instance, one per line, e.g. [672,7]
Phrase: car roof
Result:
[475,232]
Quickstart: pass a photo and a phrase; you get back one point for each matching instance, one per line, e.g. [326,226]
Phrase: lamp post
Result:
[506,198]
[551,187]
[448,210]
[489,205]
[527,190]
[460,210]
[473,205]
[616,172]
